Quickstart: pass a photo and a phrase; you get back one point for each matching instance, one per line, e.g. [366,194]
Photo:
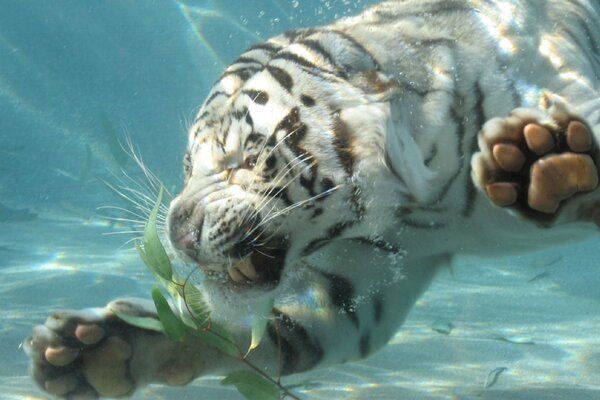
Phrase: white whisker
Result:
[137,231]
[273,186]
[123,210]
[140,192]
[278,190]
[294,206]
[268,216]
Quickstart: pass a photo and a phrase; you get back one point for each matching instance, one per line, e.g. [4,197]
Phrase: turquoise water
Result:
[76,76]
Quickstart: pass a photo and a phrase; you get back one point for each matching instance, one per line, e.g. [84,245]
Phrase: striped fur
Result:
[350,144]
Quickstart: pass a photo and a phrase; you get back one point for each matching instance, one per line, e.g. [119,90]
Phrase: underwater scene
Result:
[84,85]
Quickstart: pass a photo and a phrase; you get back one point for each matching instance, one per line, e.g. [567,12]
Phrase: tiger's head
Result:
[270,173]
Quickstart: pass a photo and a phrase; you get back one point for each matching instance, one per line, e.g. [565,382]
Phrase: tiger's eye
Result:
[249,162]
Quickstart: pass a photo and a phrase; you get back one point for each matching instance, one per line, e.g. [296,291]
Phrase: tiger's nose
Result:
[185,229]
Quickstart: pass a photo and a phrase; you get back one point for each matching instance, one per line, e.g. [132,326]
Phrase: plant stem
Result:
[241,358]
[285,391]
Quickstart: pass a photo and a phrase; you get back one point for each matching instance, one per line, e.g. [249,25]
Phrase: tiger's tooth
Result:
[245,267]
[235,275]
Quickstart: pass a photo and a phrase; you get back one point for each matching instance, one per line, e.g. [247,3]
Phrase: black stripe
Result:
[432,154]
[294,138]
[343,143]
[292,36]
[266,46]
[314,245]
[470,198]
[379,244]
[280,193]
[299,351]
[460,132]
[341,293]
[307,100]
[293,126]
[316,213]
[225,235]
[423,225]
[365,345]
[254,139]
[270,162]
[308,66]
[225,125]
[338,229]
[445,7]
[243,73]
[317,47]
[240,114]
[358,45]
[257,96]
[296,131]
[378,309]
[470,190]
[213,96]
[480,119]
[308,183]
[295,59]
[327,186]
[204,114]
[282,77]
[357,205]
[244,59]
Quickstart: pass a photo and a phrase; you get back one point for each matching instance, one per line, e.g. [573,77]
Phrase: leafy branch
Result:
[253,383]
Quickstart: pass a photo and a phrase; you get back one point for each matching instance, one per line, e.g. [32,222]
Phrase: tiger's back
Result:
[444,68]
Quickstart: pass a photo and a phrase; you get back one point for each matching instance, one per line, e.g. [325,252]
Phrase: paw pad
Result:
[80,354]
[533,165]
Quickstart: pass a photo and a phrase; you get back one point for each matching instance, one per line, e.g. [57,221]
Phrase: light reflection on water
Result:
[495,310]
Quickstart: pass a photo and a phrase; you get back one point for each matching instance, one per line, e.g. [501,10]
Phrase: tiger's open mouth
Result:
[258,264]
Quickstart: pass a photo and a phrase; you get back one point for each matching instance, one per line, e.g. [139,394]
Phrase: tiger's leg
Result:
[535,161]
[91,353]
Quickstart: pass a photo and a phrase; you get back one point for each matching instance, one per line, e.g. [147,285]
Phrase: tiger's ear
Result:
[377,86]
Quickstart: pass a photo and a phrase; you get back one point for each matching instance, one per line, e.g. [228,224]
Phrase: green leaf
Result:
[221,331]
[149,323]
[252,386]
[142,255]
[222,343]
[196,304]
[260,316]
[174,328]
[154,254]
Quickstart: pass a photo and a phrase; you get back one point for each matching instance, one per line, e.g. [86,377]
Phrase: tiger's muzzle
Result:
[236,249]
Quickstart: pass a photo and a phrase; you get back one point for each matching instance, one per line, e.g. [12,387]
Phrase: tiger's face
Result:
[268,179]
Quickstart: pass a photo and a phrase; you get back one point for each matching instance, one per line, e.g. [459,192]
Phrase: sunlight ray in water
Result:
[202,18]
[13,98]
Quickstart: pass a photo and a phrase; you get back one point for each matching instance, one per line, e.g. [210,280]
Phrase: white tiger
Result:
[337,168]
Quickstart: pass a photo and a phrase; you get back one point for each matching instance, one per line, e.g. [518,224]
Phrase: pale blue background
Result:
[74,75]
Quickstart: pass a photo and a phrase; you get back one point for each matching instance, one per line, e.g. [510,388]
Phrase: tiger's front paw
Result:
[91,353]
[81,354]
[535,160]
